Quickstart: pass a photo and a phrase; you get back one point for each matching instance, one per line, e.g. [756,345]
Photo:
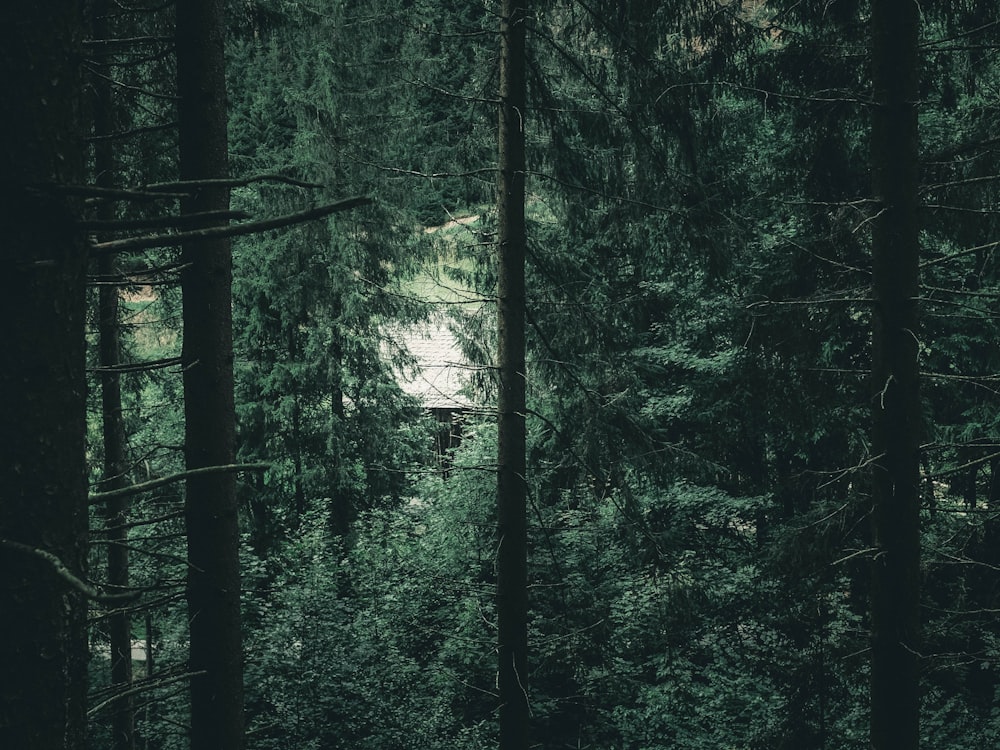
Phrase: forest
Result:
[608,374]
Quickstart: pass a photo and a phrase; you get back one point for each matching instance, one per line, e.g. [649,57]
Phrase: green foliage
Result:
[385,643]
[698,350]
[314,305]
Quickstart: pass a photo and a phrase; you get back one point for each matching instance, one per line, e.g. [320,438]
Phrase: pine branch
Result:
[99,497]
[236,230]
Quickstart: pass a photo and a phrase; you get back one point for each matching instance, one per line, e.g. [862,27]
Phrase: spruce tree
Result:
[43,645]
[895,396]
[512,482]
[211,508]
[115,470]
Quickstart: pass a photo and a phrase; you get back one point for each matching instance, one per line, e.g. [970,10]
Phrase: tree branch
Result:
[95,498]
[143,688]
[231,182]
[163,221]
[959,254]
[127,42]
[130,133]
[156,364]
[88,590]
[235,230]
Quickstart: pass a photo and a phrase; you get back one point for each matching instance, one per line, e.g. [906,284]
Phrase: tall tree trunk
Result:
[115,467]
[295,443]
[213,587]
[895,595]
[43,647]
[113,422]
[512,566]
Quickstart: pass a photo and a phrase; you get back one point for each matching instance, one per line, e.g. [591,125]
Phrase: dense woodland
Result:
[726,281]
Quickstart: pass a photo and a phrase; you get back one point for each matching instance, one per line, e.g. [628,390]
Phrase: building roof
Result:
[440,368]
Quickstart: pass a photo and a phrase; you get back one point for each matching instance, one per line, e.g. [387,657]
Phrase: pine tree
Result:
[115,469]
[512,483]
[895,396]
[43,647]
[211,508]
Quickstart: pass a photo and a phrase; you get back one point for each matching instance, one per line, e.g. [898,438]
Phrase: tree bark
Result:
[511,591]
[113,423]
[211,510]
[116,513]
[895,595]
[43,646]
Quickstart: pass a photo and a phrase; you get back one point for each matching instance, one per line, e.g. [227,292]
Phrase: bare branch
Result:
[830,300]
[130,133]
[139,278]
[145,521]
[145,687]
[156,364]
[231,182]
[235,230]
[967,465]
[88,590]
[92,192]
[99,497]
[163,221]
[956,183]
[136,89]
[960,209]
[946,156]
[127,42]
[959,254]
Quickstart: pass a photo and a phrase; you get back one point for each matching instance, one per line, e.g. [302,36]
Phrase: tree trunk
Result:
[43,646]
[511,593]
[895,595]
[113,423]
[213,587]
[115,467]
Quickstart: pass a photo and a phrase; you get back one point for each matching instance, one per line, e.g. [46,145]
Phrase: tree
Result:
[315,306]
[895,396]
[42,382]
[512,484]
[211,508]
[115,469]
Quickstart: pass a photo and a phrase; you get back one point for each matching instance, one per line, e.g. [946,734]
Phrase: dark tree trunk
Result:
[43,647]
[895,595]
[115,467]
[113,422]
[213,589]
[511,593]
[295,442]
